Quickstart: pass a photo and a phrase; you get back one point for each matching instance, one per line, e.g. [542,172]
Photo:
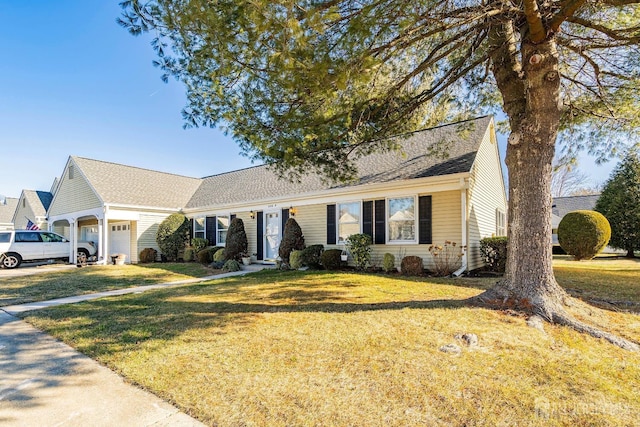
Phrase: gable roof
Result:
[7,210]
[132,186]
[38,200]
[563,205]
[442,150]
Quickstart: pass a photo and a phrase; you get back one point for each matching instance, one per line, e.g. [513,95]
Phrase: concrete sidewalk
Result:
[44,382]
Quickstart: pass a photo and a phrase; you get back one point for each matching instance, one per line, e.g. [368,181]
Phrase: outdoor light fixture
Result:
[292,211]
[252,215]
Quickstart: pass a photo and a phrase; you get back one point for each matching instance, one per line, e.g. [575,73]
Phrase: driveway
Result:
[28,269]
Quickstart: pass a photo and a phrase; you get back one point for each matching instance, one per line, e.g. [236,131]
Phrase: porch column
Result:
[105,239]
[73,237]
[99,253]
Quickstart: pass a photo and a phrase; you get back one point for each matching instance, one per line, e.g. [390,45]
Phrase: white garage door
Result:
[120,239]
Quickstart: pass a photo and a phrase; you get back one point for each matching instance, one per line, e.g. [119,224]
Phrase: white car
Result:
[35,245]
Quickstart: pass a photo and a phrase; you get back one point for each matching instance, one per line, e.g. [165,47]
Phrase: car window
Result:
[27,237]
[5,237]
[51,237]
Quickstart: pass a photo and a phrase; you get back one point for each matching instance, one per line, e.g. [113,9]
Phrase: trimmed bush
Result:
[330,259]
[219,255]
[231,265]
[583,234]
[412,266]
[360,248]
[236,243]
[198,244]
[388,263]
[295,259]
[148,255]
[204,256]
[494,253]
[447,258]
[311,256]
[189,255]
[292,239]
[172,235]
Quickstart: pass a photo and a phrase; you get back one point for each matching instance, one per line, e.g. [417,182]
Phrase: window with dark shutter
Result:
[424,217]
[331,224]
[210,229]
[379,216]
[367,218]
[260,235]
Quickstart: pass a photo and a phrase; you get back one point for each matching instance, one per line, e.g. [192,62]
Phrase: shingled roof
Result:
[132,186]
[38,200]
[443,150]
[7,209]
[563,205]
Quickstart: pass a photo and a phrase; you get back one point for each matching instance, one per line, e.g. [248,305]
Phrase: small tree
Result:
[173,235]
[583,234]
[236,244]
[292,239]
[620,203]
[360,248]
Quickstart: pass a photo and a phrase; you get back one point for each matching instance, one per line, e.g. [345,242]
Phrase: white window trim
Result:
[338,242]
[204,227]
[415,221]
[228,215]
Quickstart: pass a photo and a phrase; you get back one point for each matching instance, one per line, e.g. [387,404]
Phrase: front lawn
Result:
[51,285]
[321,348]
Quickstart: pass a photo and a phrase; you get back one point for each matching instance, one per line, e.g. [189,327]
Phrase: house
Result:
[8,207]
[444,184]
[117,207]
[32,206]
[560,206]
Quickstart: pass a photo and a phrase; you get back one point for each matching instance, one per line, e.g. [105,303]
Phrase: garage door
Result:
[120,239]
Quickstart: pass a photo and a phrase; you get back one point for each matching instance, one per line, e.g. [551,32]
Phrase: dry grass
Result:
[335,349]
[50,285]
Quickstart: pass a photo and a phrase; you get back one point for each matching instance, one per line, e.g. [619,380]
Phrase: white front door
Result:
[120,239]
[272,235]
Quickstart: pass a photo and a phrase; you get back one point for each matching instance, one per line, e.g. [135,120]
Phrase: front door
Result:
[272,235]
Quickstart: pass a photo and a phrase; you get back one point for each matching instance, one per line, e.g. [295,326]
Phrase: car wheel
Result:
[11,260]
[82,256]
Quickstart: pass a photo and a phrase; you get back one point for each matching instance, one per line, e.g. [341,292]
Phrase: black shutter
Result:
[380,235]
[331,224]
[285,217]
[231,218]
[192,233]
[367,218]
[260,236]
[424,216]
[210,228]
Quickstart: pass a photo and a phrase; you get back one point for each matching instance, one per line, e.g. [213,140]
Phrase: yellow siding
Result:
[22,214]
[486,195]
[250,227]
[74,195]
[143,233]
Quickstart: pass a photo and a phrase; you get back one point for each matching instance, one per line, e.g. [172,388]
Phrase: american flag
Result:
[31,225]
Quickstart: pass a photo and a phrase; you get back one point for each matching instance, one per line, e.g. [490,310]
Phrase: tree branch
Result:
[537,33]
[568,8]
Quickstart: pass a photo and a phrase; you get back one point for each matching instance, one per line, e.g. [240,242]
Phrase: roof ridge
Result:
[135,167]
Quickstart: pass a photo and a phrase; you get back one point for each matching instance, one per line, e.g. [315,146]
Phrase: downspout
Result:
[465,250]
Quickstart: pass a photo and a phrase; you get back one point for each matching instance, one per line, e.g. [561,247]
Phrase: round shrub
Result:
[295,259]
[583,233]
[494,253]
[292,239]
[236,243]
[204,256]
[148,255]
[198,244]
[189,255]
[231,265]
[330,259]
[311,256]
[172,235]
[412,266]
[360,248]
[388,263]
[219,255]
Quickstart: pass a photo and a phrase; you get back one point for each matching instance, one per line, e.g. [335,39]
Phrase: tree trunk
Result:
[630,253]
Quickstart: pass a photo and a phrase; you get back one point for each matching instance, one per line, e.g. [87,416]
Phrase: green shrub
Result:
[189,255]
[172,235]
[148,255]
[447,258]
[494,253]
[292,239]
[583,233]
[236,243]
[311,256]
[204,256]
[219,255]
[199,244]
[330,259]
[295,259]
[412,266]
[388,263]
[231,265]
[360,248]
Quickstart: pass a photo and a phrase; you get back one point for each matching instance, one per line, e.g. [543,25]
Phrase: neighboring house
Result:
[445,184]
[116,206]
[32,206]
[8,207]
[407,200]
[560,206]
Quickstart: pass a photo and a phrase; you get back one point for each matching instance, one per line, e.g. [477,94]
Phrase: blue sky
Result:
[72,82]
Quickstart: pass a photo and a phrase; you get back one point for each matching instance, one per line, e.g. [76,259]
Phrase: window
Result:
[348,220]
[71,172]
[401,221]
[222,224]
[501,223]
[52,237]
[198,227]
[28,237]
[5,237]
